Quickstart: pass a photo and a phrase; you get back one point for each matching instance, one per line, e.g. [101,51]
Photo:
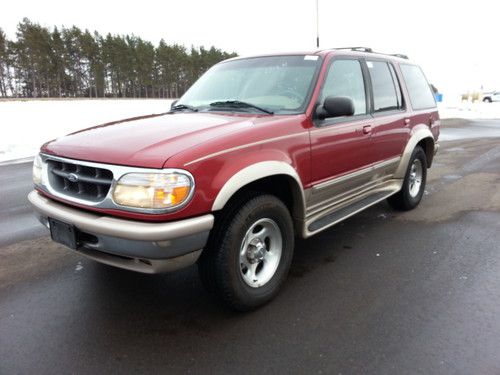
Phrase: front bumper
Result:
[134,245]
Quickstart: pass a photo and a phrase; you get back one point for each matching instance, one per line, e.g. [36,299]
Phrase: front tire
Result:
[249,252]
[487,100]
[413,188]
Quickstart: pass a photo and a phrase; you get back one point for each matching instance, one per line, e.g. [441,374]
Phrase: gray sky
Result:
[456,43]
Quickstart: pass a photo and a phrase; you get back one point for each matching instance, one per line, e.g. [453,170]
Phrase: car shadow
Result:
[178,302]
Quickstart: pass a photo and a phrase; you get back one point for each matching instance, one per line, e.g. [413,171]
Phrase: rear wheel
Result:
[249,252]
[413,188]
[487,100]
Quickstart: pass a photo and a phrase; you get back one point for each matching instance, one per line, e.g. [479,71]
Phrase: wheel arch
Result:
[428,146]
[274,177]
[422,137]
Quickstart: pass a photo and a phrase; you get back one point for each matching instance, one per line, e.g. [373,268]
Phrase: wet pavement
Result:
[17,222]
[383,292]
[463,129]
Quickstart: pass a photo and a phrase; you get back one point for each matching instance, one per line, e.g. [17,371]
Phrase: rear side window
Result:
[345,78]
[420,92]
[386,90]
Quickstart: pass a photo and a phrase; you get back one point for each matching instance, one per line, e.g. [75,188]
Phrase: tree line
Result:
[69,62]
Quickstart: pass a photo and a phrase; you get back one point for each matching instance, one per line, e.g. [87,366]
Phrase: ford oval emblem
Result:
[73,177]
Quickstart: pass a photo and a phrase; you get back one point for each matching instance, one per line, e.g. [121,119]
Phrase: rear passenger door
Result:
[390,125]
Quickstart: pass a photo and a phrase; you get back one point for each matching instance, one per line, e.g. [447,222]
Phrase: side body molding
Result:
[255,172]
[422,132]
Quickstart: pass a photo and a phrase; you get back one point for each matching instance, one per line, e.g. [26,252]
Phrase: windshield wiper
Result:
[239,104]
[180,107]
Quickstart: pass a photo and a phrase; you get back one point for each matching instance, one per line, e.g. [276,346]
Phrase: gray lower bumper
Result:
[135,245]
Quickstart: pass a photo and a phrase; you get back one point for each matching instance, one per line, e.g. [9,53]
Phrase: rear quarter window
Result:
[419,90]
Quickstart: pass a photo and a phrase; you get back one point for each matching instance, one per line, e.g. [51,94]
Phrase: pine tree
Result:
[4,65]
[58,64]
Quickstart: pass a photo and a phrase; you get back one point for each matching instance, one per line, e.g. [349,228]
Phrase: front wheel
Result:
[250,252]
[413,188]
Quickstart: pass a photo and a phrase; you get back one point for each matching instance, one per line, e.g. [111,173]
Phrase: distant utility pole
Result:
[317,24]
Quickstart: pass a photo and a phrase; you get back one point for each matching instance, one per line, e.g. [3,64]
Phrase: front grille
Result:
[79,181]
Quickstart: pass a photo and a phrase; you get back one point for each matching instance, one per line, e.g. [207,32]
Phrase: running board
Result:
[347,211]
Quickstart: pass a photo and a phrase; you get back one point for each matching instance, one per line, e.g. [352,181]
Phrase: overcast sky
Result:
[456,44]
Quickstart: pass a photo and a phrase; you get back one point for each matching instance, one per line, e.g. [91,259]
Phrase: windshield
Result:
[277,84]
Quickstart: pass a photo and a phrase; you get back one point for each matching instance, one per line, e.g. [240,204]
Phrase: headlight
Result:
[153,190]
[37,170]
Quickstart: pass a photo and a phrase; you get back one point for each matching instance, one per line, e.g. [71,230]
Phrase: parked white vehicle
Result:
[493,96]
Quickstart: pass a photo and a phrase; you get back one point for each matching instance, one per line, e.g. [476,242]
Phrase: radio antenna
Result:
[317,23]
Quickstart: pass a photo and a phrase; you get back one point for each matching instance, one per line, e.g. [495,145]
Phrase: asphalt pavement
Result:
[384,292]
[17,222]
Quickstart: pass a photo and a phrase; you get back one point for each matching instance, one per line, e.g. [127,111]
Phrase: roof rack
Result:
[369,50]
[400,56]
[360,49]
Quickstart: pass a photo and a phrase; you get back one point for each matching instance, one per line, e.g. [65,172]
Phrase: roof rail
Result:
[360,49]
[369,50]
[400,56]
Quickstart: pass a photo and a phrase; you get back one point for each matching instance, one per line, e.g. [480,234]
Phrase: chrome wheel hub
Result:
[260,252]
[256,251]
[415,178]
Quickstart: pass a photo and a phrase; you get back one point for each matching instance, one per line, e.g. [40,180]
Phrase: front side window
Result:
[280,84]
[345,78]
[384,83]
[419,90]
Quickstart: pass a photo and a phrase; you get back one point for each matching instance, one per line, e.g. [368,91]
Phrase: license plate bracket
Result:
[63,233]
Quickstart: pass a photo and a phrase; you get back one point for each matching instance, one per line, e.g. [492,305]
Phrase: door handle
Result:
[407,121]
[367,129]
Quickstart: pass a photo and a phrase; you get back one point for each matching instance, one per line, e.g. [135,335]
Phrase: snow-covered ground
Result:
[470,111]
[25,125]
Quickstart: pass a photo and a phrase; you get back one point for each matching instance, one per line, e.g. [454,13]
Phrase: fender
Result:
[421,132]
[253,173]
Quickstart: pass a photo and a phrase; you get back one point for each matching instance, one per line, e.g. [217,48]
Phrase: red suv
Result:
[259,150]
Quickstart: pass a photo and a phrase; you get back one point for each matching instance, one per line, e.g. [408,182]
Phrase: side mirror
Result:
[173,103]
[335,106]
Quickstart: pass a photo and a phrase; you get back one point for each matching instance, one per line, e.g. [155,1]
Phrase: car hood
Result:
[147,141]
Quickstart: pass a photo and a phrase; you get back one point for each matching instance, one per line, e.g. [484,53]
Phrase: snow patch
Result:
[470,111]
[27,124]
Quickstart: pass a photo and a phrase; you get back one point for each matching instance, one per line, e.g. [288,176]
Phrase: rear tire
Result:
[413,188]
[487,100]
[249,252]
